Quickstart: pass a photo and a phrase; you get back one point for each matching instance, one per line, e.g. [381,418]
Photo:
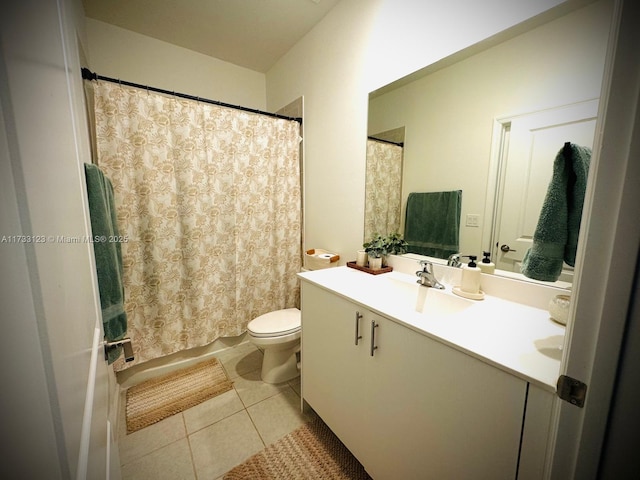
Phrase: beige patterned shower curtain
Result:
[208,199]
[383,189]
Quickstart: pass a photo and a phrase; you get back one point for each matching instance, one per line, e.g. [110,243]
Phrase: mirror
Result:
[458,120]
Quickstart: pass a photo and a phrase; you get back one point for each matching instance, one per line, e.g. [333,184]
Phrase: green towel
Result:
[432,223]
[108,255]
[556,236]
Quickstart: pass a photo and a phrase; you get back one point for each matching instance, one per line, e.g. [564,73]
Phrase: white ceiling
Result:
[250,33]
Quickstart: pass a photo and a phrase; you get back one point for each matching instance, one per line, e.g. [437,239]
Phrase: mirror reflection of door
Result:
[529,145]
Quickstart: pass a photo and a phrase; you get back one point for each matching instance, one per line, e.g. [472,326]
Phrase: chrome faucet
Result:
[454,260]
[426,277]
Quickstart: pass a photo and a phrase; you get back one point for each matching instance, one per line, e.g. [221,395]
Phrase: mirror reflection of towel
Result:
[432,225]
[556,236]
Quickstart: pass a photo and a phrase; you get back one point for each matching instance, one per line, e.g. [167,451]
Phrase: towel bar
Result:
[125,343]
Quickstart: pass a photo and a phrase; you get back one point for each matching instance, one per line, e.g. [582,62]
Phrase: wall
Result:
[358,47]
[118,53]
[449,113]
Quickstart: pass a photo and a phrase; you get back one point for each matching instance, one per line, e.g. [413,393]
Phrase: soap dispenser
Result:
[470,285]
[471,276]
[486,265]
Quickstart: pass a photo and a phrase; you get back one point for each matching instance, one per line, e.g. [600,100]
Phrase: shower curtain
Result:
[208,202]
[383,189]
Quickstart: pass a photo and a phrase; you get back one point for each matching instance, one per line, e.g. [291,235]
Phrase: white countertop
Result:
[519,339]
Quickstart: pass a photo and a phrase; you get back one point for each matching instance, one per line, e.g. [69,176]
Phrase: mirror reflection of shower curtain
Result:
[208,200]
[383,189]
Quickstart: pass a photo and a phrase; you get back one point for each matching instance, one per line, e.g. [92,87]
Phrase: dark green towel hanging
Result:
[556,236]
[108,255]
[432,224]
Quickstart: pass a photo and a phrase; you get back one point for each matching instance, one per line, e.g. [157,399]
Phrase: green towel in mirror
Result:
[432,223]
[555,239]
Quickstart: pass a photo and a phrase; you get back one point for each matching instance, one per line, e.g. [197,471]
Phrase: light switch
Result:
[473,220]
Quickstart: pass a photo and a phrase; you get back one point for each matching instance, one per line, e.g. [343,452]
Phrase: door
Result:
[59,395]
[531,144]
[606,261]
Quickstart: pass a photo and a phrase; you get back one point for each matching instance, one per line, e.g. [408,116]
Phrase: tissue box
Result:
[317,258]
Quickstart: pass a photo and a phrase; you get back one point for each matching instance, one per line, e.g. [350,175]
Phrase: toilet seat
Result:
[275,324]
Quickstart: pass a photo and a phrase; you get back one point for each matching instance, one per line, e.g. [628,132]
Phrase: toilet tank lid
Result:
[279,321]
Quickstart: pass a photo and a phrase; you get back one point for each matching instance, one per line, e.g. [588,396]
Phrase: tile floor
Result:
[209,439]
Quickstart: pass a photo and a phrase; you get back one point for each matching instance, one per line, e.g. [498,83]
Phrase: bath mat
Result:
[159,398]
[310,452]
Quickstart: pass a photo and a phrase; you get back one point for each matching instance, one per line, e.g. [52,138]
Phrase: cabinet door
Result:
[436,412]
[536,431]
[333,365]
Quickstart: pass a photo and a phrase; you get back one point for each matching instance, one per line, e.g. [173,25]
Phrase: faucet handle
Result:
[426,265]
[454,260]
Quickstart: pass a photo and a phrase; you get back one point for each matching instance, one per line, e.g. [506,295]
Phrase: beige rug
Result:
[159,398]
[310,452]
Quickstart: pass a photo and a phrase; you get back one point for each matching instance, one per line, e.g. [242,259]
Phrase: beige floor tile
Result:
[241,359]
[212,411]
[223,445]
[151,438]
[277,416]
[295,384]
[252,389]
[171,462]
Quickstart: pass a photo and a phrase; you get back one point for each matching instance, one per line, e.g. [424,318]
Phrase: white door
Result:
[607,263]
[56,400]
[533,143]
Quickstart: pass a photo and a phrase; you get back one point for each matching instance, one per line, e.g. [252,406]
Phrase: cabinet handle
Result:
[374,347]
[358,336]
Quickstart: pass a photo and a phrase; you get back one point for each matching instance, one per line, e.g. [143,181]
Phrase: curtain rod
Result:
[399,144]
[89,75]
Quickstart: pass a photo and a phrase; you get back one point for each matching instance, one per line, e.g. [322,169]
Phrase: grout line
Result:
[245,408]
[193,463]
[255,427]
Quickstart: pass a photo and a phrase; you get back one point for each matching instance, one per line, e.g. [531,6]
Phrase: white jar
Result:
[559,308]
[361,258]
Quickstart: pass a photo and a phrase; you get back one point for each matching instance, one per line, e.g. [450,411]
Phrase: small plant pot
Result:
[375,263]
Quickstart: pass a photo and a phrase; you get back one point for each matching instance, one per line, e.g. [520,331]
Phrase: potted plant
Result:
[376,249]
[396,245]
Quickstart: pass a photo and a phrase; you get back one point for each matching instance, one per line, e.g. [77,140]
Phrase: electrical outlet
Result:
[473,220]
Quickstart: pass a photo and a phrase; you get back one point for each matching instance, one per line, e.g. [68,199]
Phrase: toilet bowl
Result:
[278,333]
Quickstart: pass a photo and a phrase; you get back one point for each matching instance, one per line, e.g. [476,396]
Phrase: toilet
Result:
[278,334]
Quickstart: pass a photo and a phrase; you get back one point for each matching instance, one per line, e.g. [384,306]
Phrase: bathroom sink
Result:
[425,300]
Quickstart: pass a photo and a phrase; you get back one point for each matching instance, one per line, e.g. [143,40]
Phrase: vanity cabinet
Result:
[416,408]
